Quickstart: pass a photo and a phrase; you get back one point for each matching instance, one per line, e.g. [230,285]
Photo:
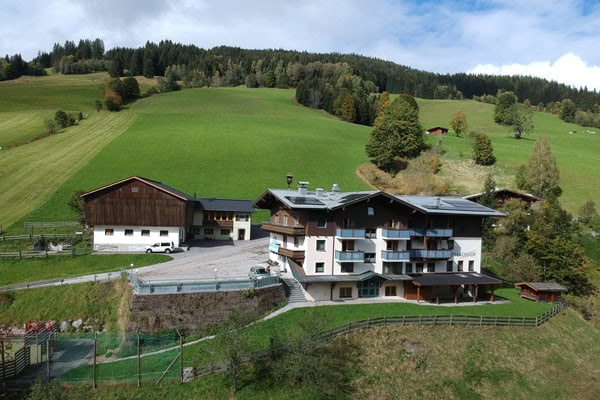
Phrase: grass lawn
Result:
[31,270]
[577,154]
[227,142]
[94,301]
[201,353]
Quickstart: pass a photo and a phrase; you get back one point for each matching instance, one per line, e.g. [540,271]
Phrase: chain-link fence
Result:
[90,359]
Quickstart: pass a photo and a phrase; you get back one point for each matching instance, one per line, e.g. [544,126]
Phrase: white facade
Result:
[134,238]
[238,228]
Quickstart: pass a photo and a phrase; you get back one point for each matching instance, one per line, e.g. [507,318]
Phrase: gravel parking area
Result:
[231,259]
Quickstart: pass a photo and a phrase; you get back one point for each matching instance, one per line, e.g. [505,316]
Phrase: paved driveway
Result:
[232,259]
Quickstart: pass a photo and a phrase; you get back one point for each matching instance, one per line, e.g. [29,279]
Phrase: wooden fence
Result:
[53,224]
[13,367]
[23,254]
[406,320]
[48,236]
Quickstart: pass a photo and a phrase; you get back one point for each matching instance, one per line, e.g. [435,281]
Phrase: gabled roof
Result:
[214,204]
[157,185]
[543,286]
[448,206]
[435,128]
[510,192]
[329,201]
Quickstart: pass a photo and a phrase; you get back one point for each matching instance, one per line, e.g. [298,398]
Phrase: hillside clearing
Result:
[29,174]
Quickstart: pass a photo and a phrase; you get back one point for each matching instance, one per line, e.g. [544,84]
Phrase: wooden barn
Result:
[437,130]
[541,291]
[503,195]
[135,212]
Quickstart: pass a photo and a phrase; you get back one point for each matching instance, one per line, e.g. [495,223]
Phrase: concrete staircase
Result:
[296,291]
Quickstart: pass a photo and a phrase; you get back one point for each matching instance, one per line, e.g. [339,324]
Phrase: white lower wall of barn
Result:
[118,241]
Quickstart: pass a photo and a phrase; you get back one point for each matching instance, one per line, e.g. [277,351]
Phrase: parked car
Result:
[258,272]
[164,247]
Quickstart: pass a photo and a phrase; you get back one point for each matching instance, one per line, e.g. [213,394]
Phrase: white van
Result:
[164,247]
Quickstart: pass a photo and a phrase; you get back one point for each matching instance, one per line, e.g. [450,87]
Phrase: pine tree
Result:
[483,153]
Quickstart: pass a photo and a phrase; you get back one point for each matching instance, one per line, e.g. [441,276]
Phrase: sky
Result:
[552,39]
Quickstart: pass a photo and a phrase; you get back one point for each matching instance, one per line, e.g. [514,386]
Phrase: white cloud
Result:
[569,69]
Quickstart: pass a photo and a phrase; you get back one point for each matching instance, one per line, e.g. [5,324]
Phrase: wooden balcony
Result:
[297,255]
[292,230]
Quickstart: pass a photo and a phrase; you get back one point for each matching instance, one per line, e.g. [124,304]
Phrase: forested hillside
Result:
[232,66]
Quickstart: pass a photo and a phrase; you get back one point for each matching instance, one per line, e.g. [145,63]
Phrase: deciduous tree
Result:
[542,176]
[504,102]
[112,100]
[459,122]
[568,109]
[396,134]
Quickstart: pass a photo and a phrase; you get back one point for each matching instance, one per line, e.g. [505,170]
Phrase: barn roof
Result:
[158,185]
[543,286]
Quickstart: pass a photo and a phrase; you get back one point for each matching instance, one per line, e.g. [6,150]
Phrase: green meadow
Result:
[233,142]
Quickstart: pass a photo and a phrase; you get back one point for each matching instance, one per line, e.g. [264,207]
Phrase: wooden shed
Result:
[548,292]
[437,130]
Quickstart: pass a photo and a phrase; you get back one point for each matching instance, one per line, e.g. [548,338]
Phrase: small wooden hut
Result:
[548,292]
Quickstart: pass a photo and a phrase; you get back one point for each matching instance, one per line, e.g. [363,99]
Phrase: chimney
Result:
[438,202]
[335,188]
[303,188]
[320,192]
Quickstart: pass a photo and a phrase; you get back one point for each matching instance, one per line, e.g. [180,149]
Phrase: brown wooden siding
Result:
[148,206]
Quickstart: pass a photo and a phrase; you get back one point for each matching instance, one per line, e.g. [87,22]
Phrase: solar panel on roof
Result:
[352,196]
[456,204]
[310,201]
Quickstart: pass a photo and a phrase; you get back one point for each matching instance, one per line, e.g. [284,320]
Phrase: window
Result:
[321,222]
[164,233]
[370,211]
[347,267]
[370,233]
[128,232]
[471,265]
[347,245]
[145,232]
[345,292]
[449,266]
[369,257]
[284,220]
[225,232]
[241,217]
[209,231]
[419,267]
[431,267]
[392,268]
[275,219]
[390,291]
[320,267]
[320,245]
[296,220]
[135,189]
[460,266]
[109,232]
[409,268]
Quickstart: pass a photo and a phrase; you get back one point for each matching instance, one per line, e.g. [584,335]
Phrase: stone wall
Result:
[192,312]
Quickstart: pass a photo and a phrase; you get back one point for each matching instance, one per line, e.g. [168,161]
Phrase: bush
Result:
[483,153]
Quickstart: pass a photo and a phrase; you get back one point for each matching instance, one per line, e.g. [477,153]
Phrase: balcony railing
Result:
[350,233]
[431,254]
[293,254]
[431,232]
[396,234]
[294,230]
[351,256]
[395,255]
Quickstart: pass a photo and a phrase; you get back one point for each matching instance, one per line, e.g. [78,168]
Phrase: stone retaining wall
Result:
[192,312]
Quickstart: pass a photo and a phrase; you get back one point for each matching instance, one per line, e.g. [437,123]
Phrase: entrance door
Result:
[241,234]
[369,288]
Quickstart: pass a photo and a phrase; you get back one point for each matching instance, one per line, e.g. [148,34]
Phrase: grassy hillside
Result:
[230,142]
[234,142]
[577,155]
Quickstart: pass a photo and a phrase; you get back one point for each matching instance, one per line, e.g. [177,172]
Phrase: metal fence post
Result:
[139,376]
[94,365]
[180,356]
